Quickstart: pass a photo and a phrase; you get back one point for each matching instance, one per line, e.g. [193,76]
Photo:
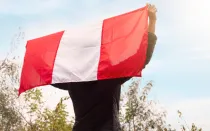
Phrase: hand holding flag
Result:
[152,12]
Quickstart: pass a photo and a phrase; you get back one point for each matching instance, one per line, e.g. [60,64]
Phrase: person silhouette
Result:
[96,103]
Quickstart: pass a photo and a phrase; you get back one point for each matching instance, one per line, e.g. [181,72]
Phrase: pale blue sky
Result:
[181,62]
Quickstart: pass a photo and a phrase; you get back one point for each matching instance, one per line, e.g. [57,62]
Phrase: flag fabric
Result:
[113,48]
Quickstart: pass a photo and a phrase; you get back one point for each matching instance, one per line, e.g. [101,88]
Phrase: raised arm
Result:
[151,32]
[152,18]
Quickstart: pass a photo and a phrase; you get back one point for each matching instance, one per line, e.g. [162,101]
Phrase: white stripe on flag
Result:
[78,54]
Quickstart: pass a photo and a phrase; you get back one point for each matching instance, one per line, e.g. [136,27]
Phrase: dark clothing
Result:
[96,103]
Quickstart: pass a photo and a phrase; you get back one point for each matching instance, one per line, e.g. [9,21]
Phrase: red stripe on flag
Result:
[39,61]
[123,45]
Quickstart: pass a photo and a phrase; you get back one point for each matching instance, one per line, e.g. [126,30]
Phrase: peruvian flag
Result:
[113,48]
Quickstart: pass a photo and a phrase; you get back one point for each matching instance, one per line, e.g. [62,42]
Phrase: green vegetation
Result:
[137,113]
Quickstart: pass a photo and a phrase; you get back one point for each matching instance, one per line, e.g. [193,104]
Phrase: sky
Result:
[181,61]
